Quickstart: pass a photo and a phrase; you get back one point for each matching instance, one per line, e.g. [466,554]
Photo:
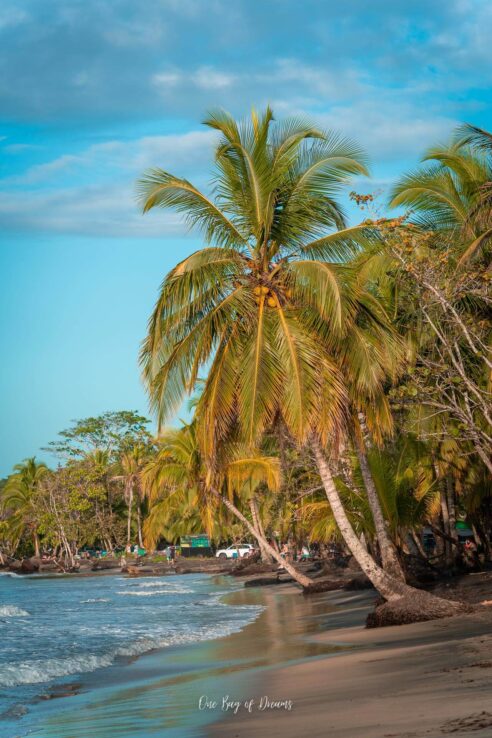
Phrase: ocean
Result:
[71,634]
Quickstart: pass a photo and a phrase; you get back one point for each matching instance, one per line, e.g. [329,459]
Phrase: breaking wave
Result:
[11,611]
[37,671]
[153,592]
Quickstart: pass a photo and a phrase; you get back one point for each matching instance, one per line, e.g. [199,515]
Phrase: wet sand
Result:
[422,680]
[163,693]
[343,681]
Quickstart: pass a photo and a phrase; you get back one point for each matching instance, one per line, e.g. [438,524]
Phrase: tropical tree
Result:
[451,192]
[178,471]
[19,500]
[131,464]
[265,305]
[174,483]
[110,433]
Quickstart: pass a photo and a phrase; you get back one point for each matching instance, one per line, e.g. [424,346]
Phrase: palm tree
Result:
[132,462]
[451,194]
[19,499]
[371,356]
[405,487]
[178,472]
[265,305]
[173,482]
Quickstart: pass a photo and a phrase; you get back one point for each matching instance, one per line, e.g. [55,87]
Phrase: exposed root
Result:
[418,607]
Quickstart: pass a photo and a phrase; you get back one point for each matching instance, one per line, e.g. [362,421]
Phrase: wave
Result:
[152,593]
[35,672]
[145,585]
[94,599]
[11,611]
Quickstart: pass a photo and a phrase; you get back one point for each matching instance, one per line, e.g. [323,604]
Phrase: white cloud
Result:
[319,79]
[166,79]
[40,173]
[100,210]
[70,202]
[302,81]
[112,159]
[208,78]
[390,129]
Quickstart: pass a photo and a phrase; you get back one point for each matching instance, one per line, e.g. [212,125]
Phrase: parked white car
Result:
[244,549]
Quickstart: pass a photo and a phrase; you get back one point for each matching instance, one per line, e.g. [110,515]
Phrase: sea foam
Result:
[11,611]
[37,671]
[153,592]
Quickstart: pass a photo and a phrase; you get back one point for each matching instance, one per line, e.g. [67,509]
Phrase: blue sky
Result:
[92,92]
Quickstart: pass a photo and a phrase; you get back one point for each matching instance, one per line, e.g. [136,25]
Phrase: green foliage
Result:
[288,324]
[111,432]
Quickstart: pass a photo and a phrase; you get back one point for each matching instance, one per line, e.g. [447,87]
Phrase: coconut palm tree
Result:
[178,472]
[405,487]
[451,193]
[19,499]
[131,463]
[173,482]
[264,305]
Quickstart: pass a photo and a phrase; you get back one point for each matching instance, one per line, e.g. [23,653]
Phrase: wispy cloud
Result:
[395,79]
[70,201]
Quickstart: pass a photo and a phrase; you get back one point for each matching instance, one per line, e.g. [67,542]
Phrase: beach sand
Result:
[423,680]
[426,679]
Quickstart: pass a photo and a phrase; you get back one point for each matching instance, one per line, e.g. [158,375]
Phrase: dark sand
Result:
[427,679]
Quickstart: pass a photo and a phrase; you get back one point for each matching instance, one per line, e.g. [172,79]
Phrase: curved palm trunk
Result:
[301,579]
[255,516]
[389,588]
[389,556]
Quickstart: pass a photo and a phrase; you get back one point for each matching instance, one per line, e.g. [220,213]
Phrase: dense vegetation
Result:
[340,375]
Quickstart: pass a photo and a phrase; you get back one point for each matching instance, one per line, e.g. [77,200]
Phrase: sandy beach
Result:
[425,679]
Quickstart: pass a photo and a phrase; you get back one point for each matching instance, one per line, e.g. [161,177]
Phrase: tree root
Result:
[418,607]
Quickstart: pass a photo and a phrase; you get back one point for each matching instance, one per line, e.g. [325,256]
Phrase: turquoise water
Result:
[82,634]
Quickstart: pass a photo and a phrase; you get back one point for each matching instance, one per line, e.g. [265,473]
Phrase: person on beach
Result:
[304,553]
[172,553]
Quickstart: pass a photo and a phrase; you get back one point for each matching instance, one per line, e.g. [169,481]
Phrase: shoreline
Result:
[161,688]
[409,681]
[341,679]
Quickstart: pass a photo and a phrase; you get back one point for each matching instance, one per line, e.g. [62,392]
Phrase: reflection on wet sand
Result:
[158,694]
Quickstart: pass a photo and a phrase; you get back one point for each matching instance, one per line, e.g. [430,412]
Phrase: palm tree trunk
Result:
[301,579]
[418,545]
[37,548]
[447,528]
[265,556]
[139,525]
[451,499]
[389,556]
[129,518]
[389,588]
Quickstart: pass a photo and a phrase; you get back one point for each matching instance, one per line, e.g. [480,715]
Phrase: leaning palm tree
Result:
[177,476]
[450,193]
[263,307]
[18,500]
